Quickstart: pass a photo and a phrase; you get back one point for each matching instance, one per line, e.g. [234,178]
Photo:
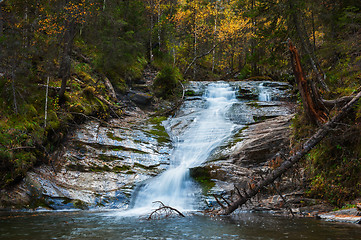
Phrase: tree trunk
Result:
[150,35]
[305,42]
[214,40]
[311,100]
[195,51]
[253,43]
[1,21]
[65,66]
[159,29]
[310,143]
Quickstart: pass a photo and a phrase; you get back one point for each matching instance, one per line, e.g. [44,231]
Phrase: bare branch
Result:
[200,56]
[220,204]
[164,210]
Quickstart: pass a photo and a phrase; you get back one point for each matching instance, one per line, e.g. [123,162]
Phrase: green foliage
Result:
[334,166]
[167,82]
[117,36]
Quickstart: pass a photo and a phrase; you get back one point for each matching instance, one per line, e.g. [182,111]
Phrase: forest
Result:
[65,61]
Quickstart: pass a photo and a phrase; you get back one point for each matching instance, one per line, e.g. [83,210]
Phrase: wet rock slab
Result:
[99,166]
[352,215]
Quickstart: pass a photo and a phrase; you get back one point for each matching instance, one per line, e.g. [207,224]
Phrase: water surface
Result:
[105,225]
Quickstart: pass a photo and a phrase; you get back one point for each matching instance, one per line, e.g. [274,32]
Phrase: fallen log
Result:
[287,164]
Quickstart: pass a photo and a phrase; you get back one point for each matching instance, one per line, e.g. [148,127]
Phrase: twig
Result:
[46,101]
[284,200]
[225,201]
[220,204]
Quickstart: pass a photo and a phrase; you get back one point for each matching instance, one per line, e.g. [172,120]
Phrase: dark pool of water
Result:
[107,225]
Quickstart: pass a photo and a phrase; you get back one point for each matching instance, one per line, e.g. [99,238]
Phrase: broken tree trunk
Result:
[310,143]
[312,103]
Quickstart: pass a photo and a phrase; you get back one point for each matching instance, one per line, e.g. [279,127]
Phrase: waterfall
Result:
[209,129]
[264,95]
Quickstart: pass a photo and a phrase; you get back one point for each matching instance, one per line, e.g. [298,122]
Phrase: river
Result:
[105,225]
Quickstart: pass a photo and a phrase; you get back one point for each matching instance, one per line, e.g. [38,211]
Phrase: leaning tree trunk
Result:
[65,65]
[312,102]
[270,178]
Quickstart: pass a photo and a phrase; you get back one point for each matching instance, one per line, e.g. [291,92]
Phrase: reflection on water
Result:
[101,225]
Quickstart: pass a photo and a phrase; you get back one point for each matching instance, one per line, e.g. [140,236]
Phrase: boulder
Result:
[262,142]
[140,98]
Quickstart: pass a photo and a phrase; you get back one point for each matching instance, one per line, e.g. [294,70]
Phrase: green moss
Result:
[114,148]
[121,168]
[76,167]
[104,168]
[111,136]
[40,202]
[133,150]
[89,91]
[157,120]
[254,104]
[145,167]
[203,177]
[190,93]
[261,118]
[109,158]
[161,134]
[80,204]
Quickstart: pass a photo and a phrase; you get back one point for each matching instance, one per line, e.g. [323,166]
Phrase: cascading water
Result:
[208,130]
[264,94]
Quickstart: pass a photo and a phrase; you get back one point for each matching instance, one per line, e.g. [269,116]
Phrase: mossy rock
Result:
[122,168]
[254,104]
[191,93]
[111,136]
[76,167]
[80,204]
[246,94]
[88,91]
[203,176]
[158,119]
[141,98]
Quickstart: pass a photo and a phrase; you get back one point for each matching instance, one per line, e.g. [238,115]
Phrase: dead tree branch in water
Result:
[164,211]
[286,165]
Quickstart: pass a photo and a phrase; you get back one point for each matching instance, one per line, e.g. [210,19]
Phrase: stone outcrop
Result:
[101,163]
[99,166]
[250,158]
[262,142]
